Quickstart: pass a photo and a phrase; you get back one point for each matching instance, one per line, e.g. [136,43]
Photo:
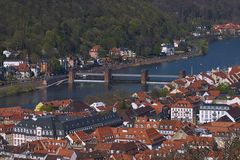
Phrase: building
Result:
[12,63]
[212,112]
[147,136]
[182,111]
[232,115]
[169,127]
[222,129]
[44,67]
[79,139]
[168,50]
[6,132]
[57,127]
[94,52]
[150,137]
[23,71]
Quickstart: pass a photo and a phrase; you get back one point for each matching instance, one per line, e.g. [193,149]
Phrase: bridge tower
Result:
[144,77]
[107,76]
[71,75]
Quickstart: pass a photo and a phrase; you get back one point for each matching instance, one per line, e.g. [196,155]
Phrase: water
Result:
[221,54]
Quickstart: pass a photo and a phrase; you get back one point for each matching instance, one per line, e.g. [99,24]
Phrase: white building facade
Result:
[12,63]
[212,112]
[182,111]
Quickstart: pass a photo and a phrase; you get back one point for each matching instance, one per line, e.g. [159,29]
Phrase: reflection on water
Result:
[221,54]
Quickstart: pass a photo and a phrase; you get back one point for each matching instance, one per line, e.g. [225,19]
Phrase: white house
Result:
[7,53]
[220,78]
[183,111]
[12,63]
[168,49]
[97,106]
[212,112]
[206,77]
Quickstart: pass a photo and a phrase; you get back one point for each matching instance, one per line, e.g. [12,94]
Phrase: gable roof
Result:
[182,104]
[220,74]
[102,133]
[234,70]
[65,153]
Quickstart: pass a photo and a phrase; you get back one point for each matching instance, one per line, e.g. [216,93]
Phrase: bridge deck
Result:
[127,75]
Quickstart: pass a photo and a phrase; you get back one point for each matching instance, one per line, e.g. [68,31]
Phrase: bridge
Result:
[107,77]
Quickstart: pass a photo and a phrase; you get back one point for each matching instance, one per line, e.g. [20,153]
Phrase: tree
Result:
[156,92]
[123,105]
[55,66]
[224,88]
[50,44]
[2,58]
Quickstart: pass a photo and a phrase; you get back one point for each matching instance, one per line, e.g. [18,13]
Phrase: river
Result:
[221,54]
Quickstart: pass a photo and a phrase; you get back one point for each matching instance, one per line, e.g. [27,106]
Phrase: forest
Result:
[58,28]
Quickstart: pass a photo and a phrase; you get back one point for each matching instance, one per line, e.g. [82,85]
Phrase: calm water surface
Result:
[221,54]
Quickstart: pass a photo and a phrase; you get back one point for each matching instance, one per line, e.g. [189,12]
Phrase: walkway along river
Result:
[221,54]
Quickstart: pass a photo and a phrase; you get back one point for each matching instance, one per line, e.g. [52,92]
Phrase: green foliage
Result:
[59,28]
[123,105]
[2,58]
[224,88]
[52,28]
[47,108]
[55,66]
[15,89]
[202,45]
[156,92]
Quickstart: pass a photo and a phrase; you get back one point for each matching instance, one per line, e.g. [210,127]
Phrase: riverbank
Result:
[199,48]
[146,61]
[21,87]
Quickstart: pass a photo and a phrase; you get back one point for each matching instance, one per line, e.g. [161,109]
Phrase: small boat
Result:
[185,57]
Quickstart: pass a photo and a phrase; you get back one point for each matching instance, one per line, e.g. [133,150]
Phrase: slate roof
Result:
[66,123]
[235,113]
[144,111]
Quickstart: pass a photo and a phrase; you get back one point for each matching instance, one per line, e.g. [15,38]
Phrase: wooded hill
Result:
[54,28]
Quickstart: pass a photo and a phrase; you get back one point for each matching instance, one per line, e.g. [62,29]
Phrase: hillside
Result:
[53,28]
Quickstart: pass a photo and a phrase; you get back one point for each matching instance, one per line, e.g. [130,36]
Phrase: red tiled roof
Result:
[121,157]
[59,103]
[180,82]
[207,76]
[148,136]
[226,26]
[23,67]
[220,74]
[80,135]
[65,153]
[142,95]
[158,107]
[234,70]
[175,125]
[182,104]
[214,93]
[6,128]
[103,134]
